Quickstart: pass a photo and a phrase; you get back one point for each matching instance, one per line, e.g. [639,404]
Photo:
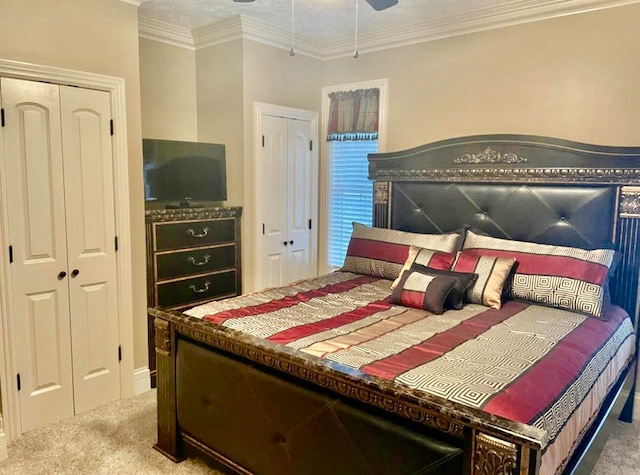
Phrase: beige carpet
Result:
[117,439]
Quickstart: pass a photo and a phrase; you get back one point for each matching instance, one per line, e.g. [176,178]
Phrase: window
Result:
[350,193]
[354,124]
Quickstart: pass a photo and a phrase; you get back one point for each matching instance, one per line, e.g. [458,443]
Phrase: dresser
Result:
[193,256]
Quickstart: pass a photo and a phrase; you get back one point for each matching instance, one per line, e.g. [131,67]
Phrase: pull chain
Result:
[292,51]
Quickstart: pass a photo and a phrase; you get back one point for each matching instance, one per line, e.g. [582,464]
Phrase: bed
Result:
[343,374]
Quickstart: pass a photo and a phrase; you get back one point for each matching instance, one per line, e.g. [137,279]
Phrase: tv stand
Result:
[193,256]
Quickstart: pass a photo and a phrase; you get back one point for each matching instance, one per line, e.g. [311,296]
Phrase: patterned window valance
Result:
[353,115]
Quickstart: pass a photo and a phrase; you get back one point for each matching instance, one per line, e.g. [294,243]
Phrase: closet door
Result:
[298,206]
[273,201]
[89,199]
[41,342]
[287,194]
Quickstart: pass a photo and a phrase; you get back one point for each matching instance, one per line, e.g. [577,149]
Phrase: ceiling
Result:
[330,24]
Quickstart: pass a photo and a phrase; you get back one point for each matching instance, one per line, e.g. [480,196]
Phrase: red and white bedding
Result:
[541,366]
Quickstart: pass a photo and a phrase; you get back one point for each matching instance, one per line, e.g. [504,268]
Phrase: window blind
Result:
[350,193]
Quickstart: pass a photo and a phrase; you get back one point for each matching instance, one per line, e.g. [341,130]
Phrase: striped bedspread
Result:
[527,363]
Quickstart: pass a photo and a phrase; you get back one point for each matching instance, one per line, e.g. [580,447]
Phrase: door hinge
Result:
[311,145]
[10,254]
[263,140]
[116,243]
[19,383]
[2,117]
[309,224]
[119,353]
[111,126]
[263,228]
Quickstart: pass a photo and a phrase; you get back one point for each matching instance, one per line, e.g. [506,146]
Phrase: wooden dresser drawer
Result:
[195,261]
[185,291]
[193,233]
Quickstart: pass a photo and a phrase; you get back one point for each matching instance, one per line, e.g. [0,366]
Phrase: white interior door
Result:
[36,217]
[288,193]
[89,199]
[300,189]
[61,228]
[273,200]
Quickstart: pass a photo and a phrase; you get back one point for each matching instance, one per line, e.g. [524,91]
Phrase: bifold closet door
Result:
[91,253]
[286,188]
[37,230]
[57,154]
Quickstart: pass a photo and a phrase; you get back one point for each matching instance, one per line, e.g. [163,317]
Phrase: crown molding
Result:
[499,16]
[137,3]
[241,26]
[157,30]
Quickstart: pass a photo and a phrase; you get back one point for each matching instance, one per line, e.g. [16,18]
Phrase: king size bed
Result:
[486,324]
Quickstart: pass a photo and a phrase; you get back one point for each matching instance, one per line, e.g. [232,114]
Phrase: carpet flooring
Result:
[117,439]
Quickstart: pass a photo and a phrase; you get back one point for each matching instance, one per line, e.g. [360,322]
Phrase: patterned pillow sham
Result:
[492,274]
[463,281]
[382,252]
[427,258]
[422,290]
[565,277]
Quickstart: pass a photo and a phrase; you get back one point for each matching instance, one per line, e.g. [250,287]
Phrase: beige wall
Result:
[220,112]
[574,77]
[271,76]
[98,36]
[168,91]
[232,76]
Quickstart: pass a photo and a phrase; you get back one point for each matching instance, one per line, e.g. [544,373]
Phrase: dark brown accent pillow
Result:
[463,282]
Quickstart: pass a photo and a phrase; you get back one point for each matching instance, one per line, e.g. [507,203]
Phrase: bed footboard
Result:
[246,419]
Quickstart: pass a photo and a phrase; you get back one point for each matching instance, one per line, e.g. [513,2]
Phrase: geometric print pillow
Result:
[382,252]
[428,258]
[492,274]
[565,277]
[422,290]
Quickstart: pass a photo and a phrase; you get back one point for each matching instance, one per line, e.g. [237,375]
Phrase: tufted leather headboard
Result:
[519,187]
[546,214]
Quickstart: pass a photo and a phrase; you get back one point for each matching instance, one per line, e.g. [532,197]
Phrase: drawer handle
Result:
[199,291]
[192,260]
[192,233]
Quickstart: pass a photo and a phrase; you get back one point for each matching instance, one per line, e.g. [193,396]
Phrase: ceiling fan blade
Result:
[382,4]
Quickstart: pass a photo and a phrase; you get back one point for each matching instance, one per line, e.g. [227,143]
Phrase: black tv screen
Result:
[182,172]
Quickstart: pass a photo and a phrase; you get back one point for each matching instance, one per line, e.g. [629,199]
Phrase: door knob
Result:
[62,275]
[74,272]
[291,242]
[285,243]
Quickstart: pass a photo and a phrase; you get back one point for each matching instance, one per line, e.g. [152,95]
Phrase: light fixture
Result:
[356,55]
[292,51]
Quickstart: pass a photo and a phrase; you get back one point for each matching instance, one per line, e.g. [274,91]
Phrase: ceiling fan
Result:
[376,4]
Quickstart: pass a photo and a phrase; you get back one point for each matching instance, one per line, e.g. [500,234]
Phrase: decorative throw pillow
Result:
[492,274]
[565,277]
[421,290]
[382,252]
[463,281]
[427,258]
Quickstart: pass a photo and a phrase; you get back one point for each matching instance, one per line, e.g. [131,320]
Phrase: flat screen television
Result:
[183,173]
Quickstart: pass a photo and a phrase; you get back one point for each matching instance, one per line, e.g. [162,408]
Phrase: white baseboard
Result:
[4,453]
[141,380]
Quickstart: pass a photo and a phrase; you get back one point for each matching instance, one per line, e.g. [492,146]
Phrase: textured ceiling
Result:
[322,20]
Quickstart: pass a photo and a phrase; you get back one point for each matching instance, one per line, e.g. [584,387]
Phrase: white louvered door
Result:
[57,158]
